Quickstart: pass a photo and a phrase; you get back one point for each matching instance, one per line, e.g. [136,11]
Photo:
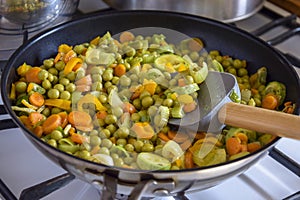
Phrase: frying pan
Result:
[135,183]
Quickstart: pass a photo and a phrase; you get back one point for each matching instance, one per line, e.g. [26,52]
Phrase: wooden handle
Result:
[261,120]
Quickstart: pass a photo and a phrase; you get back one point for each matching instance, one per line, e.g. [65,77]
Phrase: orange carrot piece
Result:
[25,120]
[35,117]
[51,123]
[233,146]
[177,136]
[189,107]
[57,58]
[86,128]
[32,75]
[243,137]
[79,118]
[181,82]
[36,99]
[269,101]
[70,54]
[64,119]
[38,131]
[126,36]
[188,160]
[143,130]
[128,107]
[101,114]
[77,138]
[195,44]
[76,67]
[83,88]
[253,146]
[163,136]
[87,80]
[120,70]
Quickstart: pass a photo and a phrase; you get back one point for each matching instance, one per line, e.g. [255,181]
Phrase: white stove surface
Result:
[22,165]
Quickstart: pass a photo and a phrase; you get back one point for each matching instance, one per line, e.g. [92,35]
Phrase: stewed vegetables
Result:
[109,101]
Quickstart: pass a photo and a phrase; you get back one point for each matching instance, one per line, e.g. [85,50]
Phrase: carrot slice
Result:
[189,107]
[36,99]
[64,119]
[269,101]
[126,36]
[77,138]
[87,80]
[101,114]
[163,136]
[120,70]
[253,146]
[51,123]
[38,131]
[32,75]
[128,107]
[35,117]
[70,54]
[233,146]
[83,88]
[79,118]
[188,160]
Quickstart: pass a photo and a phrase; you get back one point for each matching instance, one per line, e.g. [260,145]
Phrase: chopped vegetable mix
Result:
[109,101]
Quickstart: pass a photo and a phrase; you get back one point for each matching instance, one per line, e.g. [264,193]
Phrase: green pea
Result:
[64,81]
[80,74]
[242,72]
[137,104]
[71,87]
[118,162]
[147,101]
[96,77]
[194,56]
[110,119]
[48,63]
[123,132]
[135,117]
[138,145]
[104,150]
[168,102]
[53,71]
[117,111]
[55,80]
[59,87]
[144,94]
[46,112]
[79,48]
[103,98]
[104,133]
[65,95]
[237,63]
[21,87]
[55,110]
[43,74]
[107,75]
[231,70]
[95,140]
[53,93]
[147,147]
[97,86]
[107,84]
[50,77]
[124,80]
[71,76]
[46,84]
[112,128]
[56,135]
[129,148]
[121,142]
[106,143]
[115,80]
[60,65]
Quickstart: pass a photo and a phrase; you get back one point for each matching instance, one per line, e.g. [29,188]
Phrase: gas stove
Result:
[276,176]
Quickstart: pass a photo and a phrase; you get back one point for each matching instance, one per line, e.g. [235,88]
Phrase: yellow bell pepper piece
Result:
[89,98]
[71,64]
[64,48]
[23,69]
[59,103]
[28,105]
[95,41]
[182,68]
[13,91]
[150,86]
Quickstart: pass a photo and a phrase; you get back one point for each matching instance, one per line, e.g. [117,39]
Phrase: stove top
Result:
[276,176]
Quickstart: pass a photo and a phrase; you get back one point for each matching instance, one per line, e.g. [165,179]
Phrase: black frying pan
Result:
[229,40]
